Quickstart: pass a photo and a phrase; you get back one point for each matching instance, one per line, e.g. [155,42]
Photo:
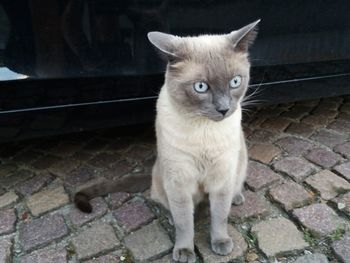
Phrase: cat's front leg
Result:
[220,204]
[181,207]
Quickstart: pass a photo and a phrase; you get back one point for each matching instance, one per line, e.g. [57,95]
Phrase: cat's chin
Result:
[216,118]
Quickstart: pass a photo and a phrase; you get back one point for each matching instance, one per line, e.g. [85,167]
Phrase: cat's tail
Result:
[129,184]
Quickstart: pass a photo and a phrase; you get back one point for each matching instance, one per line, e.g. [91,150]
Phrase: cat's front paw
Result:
[185,255]
[238,199]
[222,247]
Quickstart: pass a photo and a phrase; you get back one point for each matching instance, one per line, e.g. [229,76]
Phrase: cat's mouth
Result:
[219,117]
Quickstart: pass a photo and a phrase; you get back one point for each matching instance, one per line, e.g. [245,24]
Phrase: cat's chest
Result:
[205,144]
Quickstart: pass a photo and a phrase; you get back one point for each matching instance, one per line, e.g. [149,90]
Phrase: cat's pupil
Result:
[200,85]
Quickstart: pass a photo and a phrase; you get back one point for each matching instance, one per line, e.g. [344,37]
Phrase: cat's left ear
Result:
[165,43]
[244,37]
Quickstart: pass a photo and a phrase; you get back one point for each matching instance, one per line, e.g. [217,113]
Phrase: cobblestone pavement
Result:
[297,194]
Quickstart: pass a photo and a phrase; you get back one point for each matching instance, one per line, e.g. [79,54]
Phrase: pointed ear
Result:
[243,38]
[165,43]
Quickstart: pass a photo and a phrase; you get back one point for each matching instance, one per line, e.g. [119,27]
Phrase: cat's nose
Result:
[222,111]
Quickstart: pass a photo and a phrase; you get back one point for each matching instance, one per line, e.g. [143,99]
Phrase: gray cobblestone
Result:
[94,240]
[320,219]
[295,167]
[141,248]
[46,256]
[42,231]
[5,250]
[328,184]
[7,221]
[277,236]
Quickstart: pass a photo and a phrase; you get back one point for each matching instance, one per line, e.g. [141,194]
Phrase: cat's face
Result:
[207,75]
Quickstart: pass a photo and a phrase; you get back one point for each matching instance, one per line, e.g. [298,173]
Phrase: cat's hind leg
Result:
[238,198]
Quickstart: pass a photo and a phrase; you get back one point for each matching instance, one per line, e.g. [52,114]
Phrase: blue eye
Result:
[200,87]
[235,82]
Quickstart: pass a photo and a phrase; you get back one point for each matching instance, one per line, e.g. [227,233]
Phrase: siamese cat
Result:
[201,148]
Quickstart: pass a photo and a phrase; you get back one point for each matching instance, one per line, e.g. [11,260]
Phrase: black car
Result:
[72,65]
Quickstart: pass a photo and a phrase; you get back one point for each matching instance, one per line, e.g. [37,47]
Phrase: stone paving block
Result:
[325,113]
[42,231]
[140,246]
[323,157]
[297,112]
[46,256]
[78,218]
[343,169]
[64,167]
[82,156]
[110,258]
[104,159]
[257,121]
[316,120]
[254,206]
[329,138]
[312,258]
[320,219]
[95,145]
[79,176]
[45,162]
[7,221]
[343,202]
[47,200]
[34,184]
[294,146]
[301,129]
[341,248]
[295,167]
[118,169]
[95,240]
[6,169]
[15,178]
[345,107]
[133,214]
[139,153]
[165,259]
[263,152]
[276,124]
[261,136]
[120,145]
[277,236]
[5,250]
[202,242]
[27,157]
[290,195]
[8,199]
[117,199]
[343,149]
[344,116]
[65,148]
[328,184]
[260,176]
[271,111]
[340,126]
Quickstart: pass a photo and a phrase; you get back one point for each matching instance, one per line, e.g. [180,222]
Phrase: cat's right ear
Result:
[165,43]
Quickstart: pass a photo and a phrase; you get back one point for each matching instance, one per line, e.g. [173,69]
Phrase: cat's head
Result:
[207,75]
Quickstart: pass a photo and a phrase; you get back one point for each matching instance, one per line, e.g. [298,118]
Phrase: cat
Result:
[201,148]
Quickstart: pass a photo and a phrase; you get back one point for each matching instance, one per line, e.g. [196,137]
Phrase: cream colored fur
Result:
[197,156]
